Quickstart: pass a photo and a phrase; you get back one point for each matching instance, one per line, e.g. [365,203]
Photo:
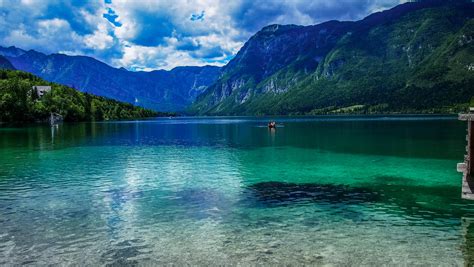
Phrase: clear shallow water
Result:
[324,190]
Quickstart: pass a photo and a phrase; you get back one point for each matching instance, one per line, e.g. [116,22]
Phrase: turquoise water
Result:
[323,190]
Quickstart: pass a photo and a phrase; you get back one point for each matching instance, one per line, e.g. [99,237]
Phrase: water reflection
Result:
[409,138]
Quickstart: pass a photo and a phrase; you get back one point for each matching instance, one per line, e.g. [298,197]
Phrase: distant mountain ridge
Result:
[161,90]
[415,57]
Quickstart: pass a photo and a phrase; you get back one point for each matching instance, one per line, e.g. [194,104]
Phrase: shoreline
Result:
[329,117]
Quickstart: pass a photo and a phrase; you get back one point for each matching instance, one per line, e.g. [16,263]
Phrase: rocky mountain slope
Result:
[416,57]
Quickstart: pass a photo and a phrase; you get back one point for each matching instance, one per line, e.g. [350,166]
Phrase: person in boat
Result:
[272,125]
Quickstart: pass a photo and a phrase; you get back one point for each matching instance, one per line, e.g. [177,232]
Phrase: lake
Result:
[206,191]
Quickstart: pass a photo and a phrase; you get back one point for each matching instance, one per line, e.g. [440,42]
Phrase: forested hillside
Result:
[20,103]
[414,58]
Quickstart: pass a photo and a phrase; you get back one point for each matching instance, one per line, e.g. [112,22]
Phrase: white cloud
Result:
[20,36]
[160,57]
[51,33]
[98,40]
[52,26]
[149,34]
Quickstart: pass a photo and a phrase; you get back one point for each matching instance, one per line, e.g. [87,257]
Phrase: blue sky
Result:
[147,35]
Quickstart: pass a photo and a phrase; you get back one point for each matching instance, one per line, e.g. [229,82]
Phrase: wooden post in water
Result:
[467,167]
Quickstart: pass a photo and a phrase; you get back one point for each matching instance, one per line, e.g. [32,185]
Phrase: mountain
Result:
[415,57]
[160,90]
[5,64]
[11,51]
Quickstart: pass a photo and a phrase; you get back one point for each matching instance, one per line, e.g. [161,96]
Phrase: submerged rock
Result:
[282,193]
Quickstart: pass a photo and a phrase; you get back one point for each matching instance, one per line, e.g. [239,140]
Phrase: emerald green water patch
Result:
[306,165]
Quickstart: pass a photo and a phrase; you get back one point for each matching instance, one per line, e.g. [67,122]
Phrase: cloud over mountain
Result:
[145,35]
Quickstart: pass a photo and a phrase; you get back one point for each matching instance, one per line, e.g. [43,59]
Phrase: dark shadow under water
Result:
[282,193]
[423,202]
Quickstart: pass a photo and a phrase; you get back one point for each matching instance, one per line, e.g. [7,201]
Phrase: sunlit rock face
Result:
[383,61]
[274,48]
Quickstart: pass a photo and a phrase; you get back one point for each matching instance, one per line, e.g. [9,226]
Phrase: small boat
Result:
[272,125]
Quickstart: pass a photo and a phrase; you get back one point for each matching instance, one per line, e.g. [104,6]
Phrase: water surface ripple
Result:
[208,191]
